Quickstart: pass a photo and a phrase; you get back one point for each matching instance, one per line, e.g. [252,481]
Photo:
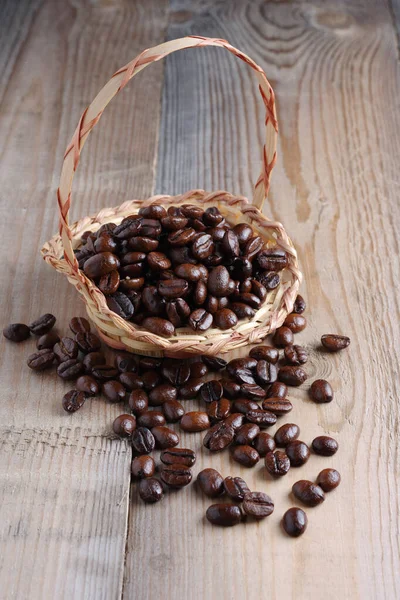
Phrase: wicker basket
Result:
[59,251]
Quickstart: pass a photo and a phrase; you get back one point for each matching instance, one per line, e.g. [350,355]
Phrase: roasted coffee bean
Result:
[124,425]
[177,311]
[200,293]
[225,515]
[253,247]
[151,379]
[202,246]
[210,482]
[245,286]
[231,389]
[211,391]
[143,441]
[272,259]
[294,521]
[159,326]
[235,420]
[299,305]
[258,505]
[92,360]
[321,391]
[176,475]
[298,453]
[230,244]
[219,436]
[308,493]
[48,340]
[277,390]
[214,363]
[161,393]
[69,369]
[158,261]
[138,402]
[248,298]
[183,256]
[211,304]
[218,281]
[295,322]
[266,372]
[100,264]
[16,332]
[165,437]
[43,324]
[219,410]
[148,363]
[41,360]
[106,373]
[266,353]
[114,391]
[198,369]
[152,301]
[151,418]
[287,433]
[174,223]
[212,216]
[241,270]
[194,421]
[277,406]
[225,319]
[109,283]
[236,488]
[182,237]
[129,283]
[244,405]
[105,243]
[244,232]
[334,343]
[73,401]
[88,342]
[328,479]
[242,311]
[252,391]
[241,369]
[270,280]
[178,456]
[200,320]
[246,434]
[293,376]
[150,490]
[88,385]
[282,337]
[190,272]
[245,455]
[325,445]
[129,227]
[121,305]
[192,211]
[66,349]
[173,410]
[153,211]
[259,290]
[295,355]
[277,463]
[176,372]
[264,443]
[143,467]
[190,389]
[125,362]
[130,381]
[173,288]
[143,244]
[262,418]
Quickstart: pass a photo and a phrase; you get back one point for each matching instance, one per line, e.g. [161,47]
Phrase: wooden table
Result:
[71,526]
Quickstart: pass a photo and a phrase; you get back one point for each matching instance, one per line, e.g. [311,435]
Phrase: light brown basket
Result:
[59,251]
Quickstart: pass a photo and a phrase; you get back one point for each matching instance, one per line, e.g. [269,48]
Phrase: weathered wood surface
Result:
[64,493]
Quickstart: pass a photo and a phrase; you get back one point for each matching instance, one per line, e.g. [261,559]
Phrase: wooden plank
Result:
[335,72]
[64,484]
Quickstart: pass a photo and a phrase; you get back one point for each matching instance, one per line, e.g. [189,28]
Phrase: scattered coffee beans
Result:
[298,453]
[43,324]
[294,521]
[17,332]
[124,425]
[245,455]
[73,401]
[334,343]
[325,445]
[308,493]
[328,479]
[293,376]
[210,482]
[287,433]
[236,488]
[321,391]
[178,456]
[150,490]
[283,336]
[194,421]
[143,466]
[277,463]
[176,475]
[48,340]
[225,515]
[41,360]
[258,505]
[164,437]
[264,443]
[143,441]
[88,385]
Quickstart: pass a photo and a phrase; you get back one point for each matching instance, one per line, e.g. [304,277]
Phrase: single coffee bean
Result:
[295,355]
[153,211]
[130,381]
[334,343]
[121,305]
[235,420]
[325,445]
[328,479]
[299,305]
[152,302]
[262,418]
[66,349]
[230,244]
[148,363]
[190,389]
[202,246]
[248,298]
[246,434]
[243,375]
[212,216]
[294,521]
[151,418]
[214,363]
[143,244]
[270,280]
[93,359]
[143,441]
[48,340]
[161,393]
[124,425]
[114,391]
[176,475]
[240,363]
[88,385]
[159,326]
[88,342]
[151,379]
[277,406]
[231,389]
[219,436]
[164,437]
[293,376]
[225,319]
[282,337]
[192,211]
[236,488]
[219,410]
[158,261]
[298,453]
[100,264]
[286,434]
[210,482]
[143,466]
[277,390]
[258,505]
[125,362]
[194,421]
[266,372]
[242,311]
[189,271]
[69,369]
[245,455]
[129,227]
[182,237]
[73,401]
[252,391]
[109,283]
[178,456]
[176,372]
[198,369]
[308,493]
[41,360]
[150,490]
[200,320]
[253,247]
[272,259]
[138,402]
[177,311]
[211,391]
[17,332]
[244,232]
[43,324]
[218,281]
[173,410]
[172,288]
[267,353]
[200,293]
[225,515]
[295,322]
[264,443]
[277,463]
[244,405]
[321,391]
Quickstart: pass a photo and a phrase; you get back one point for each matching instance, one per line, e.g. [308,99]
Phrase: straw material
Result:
[59,251]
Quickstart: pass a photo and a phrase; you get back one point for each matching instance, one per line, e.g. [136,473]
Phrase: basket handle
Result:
[118,81]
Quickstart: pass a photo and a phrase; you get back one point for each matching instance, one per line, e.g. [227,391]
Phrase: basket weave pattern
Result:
[59,251]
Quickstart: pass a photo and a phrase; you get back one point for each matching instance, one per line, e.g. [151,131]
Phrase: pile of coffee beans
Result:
[184,266]
[238,401]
